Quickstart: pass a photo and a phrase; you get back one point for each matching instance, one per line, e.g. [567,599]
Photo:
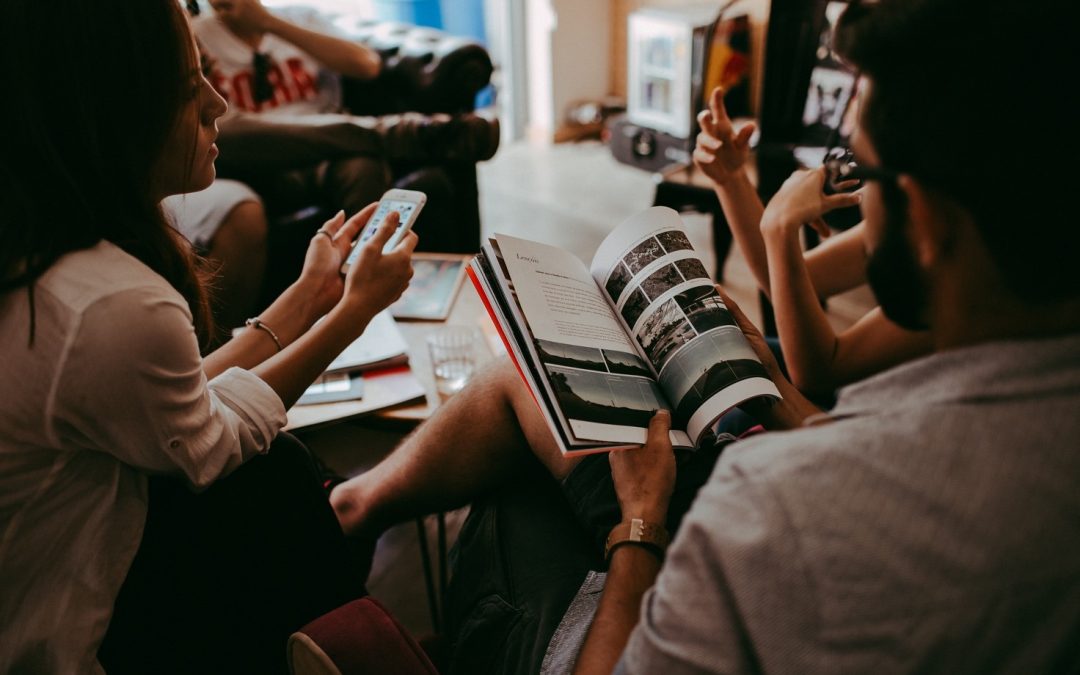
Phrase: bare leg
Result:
[474,442]
[239,250]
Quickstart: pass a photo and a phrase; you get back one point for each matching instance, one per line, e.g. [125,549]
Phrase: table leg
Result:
[682,197]
[429,579]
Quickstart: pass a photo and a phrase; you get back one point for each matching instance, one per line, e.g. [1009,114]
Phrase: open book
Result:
[602,348]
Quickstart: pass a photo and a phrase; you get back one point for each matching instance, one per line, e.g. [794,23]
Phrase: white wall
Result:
[540,25]
[568,58]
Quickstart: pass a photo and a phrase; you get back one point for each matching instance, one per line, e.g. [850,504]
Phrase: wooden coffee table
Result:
[468,310]
[343,430]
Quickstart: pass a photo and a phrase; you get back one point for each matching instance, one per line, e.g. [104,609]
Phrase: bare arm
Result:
[819,359]
[312,295]
[721,154]
[870,346]
[644,479]
[632,572]
[372,284]
[249,17]
[838,263]
[792,409]
[289,317]
[743,209]
[342,56]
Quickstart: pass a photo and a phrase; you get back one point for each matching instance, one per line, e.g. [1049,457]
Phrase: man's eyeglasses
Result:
[262,88]
[840,165]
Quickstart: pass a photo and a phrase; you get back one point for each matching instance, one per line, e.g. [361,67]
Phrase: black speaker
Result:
[644,148]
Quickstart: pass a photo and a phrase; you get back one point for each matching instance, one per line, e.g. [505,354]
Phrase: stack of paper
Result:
[381,346]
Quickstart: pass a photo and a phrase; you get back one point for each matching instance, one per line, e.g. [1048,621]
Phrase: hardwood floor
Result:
[571,196]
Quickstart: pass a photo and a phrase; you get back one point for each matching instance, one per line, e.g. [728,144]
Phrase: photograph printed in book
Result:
[664,331]
[692,268]
[673,240]
[643,254]
[598,385]
[689,330]
[618,281]
[635,305]
[661,281]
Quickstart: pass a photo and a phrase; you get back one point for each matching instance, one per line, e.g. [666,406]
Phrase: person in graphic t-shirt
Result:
[284,142]
[261,62]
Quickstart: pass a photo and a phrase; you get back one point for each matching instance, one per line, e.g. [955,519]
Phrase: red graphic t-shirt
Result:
[294,76]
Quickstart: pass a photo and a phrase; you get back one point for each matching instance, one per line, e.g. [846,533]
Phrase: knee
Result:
[432,181]
[244,229]
[248,223]
[504,383]
[355,171]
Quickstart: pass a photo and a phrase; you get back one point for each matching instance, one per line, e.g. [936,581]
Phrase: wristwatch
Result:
[636,531]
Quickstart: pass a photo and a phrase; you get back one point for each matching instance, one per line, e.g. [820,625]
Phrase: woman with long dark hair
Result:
[102,309]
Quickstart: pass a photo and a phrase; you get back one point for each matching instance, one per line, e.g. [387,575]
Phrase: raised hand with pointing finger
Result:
[721,151]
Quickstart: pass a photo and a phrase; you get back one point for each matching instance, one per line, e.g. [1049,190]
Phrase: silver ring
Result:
[328,235]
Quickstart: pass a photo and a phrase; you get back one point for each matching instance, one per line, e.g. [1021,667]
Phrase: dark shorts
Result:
[224,576]
[525,550]
[590,491]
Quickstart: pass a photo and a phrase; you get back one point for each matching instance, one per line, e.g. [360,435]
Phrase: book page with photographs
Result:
[667,303]
[500,300]
[602,387]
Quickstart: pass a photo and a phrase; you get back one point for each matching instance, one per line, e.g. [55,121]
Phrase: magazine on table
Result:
[603,346]
[370,375]
[380,346]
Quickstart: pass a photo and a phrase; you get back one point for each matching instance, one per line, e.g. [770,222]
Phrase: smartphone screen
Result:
[404,210]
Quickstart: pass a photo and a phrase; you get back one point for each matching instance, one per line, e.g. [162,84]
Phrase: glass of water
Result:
[453,357]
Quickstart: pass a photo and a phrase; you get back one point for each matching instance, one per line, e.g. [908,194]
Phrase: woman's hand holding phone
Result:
[377,279]
[348,303]
[320,278]
[321,282]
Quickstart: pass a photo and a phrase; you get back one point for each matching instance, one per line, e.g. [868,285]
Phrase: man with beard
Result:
[928,523]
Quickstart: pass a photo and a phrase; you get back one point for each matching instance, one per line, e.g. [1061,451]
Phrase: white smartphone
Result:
[406,203]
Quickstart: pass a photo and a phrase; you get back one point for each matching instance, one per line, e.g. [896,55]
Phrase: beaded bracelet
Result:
[257,323]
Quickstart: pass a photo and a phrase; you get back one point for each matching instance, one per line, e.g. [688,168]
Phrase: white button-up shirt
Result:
[112,388]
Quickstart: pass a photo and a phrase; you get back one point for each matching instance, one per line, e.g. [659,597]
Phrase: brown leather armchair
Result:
[426,71]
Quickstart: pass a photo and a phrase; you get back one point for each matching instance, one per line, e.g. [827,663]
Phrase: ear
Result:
[933,221]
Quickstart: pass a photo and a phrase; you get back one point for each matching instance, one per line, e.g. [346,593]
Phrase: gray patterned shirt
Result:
[934,526]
